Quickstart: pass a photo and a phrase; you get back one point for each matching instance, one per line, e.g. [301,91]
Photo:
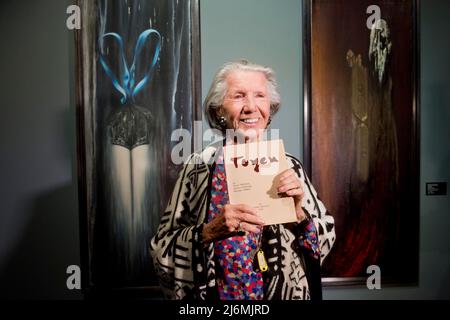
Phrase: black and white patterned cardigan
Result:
[186,268]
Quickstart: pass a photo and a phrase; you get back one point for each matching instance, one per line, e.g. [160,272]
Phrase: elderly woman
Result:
[205,247]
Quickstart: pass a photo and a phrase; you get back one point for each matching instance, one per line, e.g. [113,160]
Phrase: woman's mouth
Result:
[250,121]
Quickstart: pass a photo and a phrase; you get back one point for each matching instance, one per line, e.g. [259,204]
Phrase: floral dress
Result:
[236,278]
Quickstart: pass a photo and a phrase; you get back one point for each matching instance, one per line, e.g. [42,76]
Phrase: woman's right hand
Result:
[233,217]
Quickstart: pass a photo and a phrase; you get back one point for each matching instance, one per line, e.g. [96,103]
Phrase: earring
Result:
[222,121]
[269,121]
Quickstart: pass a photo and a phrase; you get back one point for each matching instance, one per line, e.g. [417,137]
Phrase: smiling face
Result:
[246,106]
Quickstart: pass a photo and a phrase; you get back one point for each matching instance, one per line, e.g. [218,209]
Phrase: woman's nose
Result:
[250,105]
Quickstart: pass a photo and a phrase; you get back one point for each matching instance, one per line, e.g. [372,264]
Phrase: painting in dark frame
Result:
[124,127]
[361,135]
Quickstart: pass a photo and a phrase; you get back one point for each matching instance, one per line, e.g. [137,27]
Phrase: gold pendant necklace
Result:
[260,259]
[261,265]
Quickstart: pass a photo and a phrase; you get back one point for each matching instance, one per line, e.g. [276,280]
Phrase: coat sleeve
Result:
[176,247]
[315,209]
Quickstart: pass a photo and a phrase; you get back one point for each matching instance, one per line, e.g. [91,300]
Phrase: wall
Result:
[264,32]
[38,208]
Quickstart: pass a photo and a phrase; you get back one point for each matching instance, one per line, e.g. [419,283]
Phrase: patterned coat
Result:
[186,267]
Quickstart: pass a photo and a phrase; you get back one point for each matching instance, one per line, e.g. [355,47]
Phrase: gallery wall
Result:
[38,209]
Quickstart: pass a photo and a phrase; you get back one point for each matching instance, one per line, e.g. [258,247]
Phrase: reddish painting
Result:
[361,130]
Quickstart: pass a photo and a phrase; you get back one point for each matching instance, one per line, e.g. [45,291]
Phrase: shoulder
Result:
[204,157]
[293,161]
[208,154]
[295,164]
[194,171]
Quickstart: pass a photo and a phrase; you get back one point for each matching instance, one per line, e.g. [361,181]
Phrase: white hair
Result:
[217,91]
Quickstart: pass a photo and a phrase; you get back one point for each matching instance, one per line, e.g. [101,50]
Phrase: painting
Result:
[361,134]
[138,70]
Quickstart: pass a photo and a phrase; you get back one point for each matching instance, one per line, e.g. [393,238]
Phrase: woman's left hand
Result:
[292,186]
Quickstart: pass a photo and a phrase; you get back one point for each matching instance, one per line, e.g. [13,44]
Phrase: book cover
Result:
[253,171]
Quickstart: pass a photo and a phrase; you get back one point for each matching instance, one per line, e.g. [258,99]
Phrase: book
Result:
[253,171]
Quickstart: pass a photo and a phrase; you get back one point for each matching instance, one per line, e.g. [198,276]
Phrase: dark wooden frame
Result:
[415,135]
[85,66]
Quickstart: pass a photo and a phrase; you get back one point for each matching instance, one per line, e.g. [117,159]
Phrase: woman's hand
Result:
[292,186]
[233,218]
